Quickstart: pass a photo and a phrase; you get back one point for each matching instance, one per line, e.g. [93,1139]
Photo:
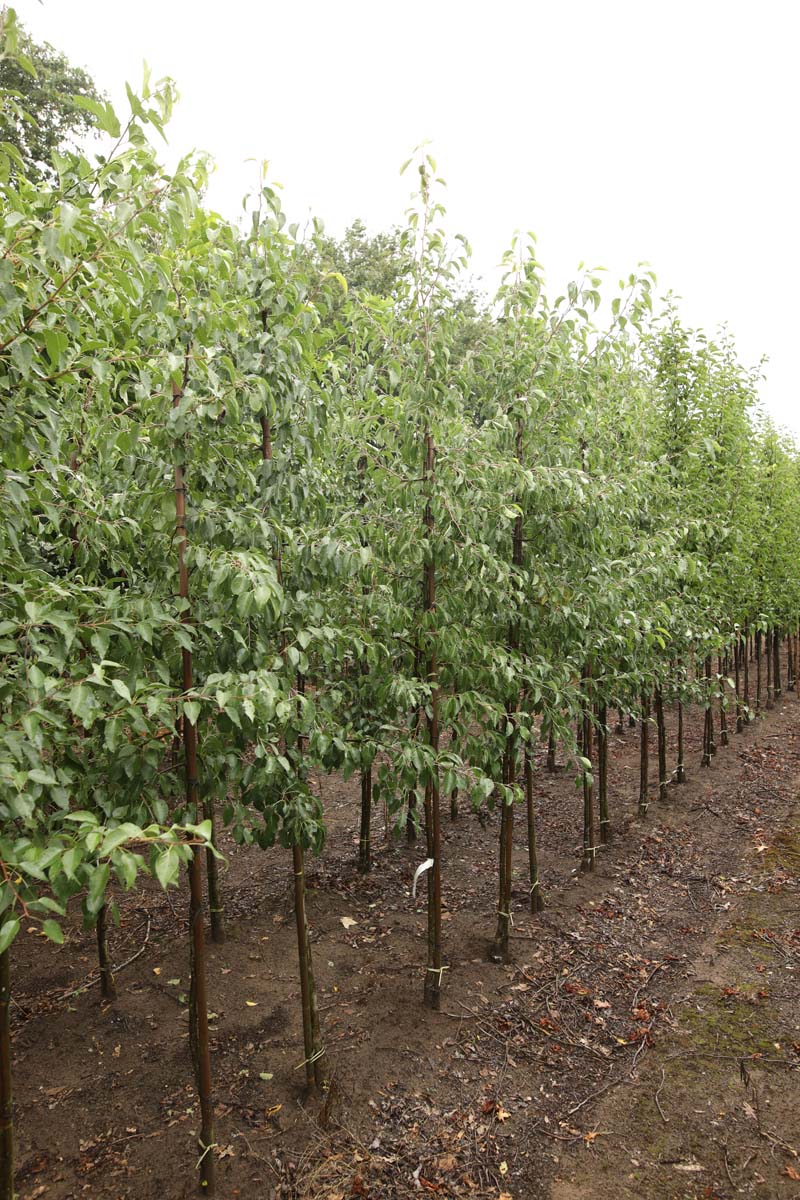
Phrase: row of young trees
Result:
[260,527]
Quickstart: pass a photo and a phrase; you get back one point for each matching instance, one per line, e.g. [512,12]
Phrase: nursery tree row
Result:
[260,526]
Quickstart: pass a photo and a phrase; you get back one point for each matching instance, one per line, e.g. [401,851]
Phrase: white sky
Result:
[617,130]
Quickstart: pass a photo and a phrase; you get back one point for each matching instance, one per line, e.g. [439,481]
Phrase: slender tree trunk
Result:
[498,951]
[769,657]
[212,874]
[551,750]
[790,665]
[589,844]
[198,1009]
[411,816]
[619,728]
[108,988]
[387,821]
[199,1013]
[644,756]
[680,769]
[537,899]
[433,833]
[737,668]
[364,836]
[602,775]
[364,846]
[662,744]
[758,670]
[411,799]
[789,660]
[722,665]
[312,1041]
[314,1061]
[6,1101]
[776,666]
[708,733]
[746,676]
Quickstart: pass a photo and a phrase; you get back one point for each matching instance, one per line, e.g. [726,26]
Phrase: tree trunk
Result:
[498,951]
[602,775]
[364,846]
[198,1042]
[212,874]
[411,799]
[644,755]
[722,666]
[708,732]
[198,1012]
[680,769]
[776,666]
[433,833]
[537,899]
[662,744]
[758,670]
[769,657]
[108,988]
[312,1042]
[589,845]
[746,676]
[551,750]
[790,661]
[6,1101]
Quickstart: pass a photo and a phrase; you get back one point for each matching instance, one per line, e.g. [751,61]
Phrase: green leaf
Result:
[54,931]
[125,832]
[107,119]
[168,865]
[44,777]
[8,931]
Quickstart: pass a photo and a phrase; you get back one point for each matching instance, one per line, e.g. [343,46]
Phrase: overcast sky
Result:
[618,131]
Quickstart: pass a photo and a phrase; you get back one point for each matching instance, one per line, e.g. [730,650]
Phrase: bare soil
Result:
[645,1040]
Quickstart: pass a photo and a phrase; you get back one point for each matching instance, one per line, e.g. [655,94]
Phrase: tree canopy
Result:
[47,101]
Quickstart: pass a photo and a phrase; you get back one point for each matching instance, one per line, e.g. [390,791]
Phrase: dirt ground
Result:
[645,1040]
